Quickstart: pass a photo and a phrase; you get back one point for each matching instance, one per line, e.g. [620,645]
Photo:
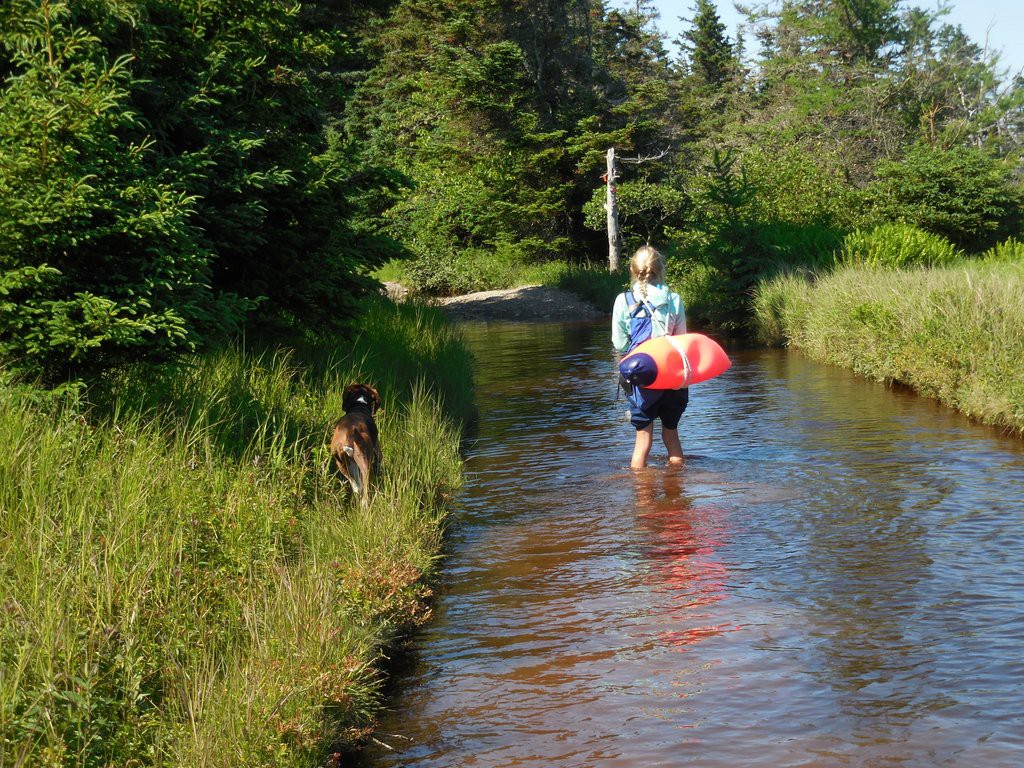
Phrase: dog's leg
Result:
[366,470]
[353,472]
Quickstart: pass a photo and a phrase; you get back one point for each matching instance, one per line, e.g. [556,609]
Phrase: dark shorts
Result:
[669,408]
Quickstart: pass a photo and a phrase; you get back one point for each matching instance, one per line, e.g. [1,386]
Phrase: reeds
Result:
[184,581]
[954,332]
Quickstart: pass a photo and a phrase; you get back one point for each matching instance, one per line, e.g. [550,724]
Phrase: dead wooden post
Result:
[611,206]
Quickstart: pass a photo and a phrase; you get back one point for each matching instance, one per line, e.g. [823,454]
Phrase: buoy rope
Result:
[687,370]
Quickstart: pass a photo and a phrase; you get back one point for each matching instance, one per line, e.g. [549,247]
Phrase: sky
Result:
[1002,21]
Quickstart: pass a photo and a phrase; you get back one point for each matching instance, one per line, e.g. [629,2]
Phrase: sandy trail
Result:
[528,302]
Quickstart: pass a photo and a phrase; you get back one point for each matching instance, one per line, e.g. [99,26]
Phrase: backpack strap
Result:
[635,307]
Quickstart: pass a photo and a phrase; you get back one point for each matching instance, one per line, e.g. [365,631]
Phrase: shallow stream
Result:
[834,577]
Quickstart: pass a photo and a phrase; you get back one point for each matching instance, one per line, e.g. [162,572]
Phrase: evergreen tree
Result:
[555,38]
[712,57]
[167,167]
[837,34]
[240,105]
[964,194]
[100,259]
[949,90]
[476,123]
[633,114]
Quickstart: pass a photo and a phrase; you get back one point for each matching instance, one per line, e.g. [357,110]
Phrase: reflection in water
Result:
[681,543]
[831,579]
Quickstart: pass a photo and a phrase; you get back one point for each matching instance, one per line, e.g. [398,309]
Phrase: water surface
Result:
[833,577]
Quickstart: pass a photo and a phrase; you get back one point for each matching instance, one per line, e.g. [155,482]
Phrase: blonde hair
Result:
[647,266]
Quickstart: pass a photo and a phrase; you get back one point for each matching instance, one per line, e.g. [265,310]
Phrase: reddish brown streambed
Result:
[834,578]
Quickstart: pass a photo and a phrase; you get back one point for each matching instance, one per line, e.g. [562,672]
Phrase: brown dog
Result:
[355,445]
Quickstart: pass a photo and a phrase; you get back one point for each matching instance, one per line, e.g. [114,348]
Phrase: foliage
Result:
[963,193]
[168,170]
[241,105]
[98,251]
[645,209]
[171,171]
[596,285]
[709,52]
[1008,250]
[802,185]
[702,289]
[896,246]
[483,171]
[951,91]
[752,218]
[780,306]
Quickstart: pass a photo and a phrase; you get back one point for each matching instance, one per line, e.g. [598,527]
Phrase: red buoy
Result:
[671,362]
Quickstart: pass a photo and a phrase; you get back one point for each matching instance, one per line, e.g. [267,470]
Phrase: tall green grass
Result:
[185,581]
[954,332]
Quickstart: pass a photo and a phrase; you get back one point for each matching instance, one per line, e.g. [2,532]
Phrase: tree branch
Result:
[643,159]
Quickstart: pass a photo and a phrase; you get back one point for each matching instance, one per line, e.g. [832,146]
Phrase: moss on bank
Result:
[955,333]
[184,580]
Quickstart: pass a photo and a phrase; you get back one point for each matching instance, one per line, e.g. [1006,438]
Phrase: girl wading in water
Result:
[649,310]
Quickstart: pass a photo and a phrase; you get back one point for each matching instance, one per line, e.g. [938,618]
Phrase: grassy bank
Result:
[954,332]
[184,580]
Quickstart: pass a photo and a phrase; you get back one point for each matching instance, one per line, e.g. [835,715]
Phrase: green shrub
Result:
[964,194]
[480,269]
[790,245]
[896,246]
[594,284]
[645,209]
[440,273]
[801,186]
[393,271]
[701,287]
[755,214]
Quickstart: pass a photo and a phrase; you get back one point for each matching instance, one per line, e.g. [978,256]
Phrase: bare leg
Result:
[642,446]
[675,450]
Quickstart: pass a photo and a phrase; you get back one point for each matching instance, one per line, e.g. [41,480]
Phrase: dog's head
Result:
[360,393]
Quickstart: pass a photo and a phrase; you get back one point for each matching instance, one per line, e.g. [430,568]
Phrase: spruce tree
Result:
[99,260]
[711,55]
[169,170]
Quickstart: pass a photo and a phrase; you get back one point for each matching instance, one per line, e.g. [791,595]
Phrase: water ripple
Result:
[831,580]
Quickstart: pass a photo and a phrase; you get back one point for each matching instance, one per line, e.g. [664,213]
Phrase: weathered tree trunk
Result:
[611,206]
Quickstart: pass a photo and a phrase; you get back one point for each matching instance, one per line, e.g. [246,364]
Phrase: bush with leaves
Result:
[646,208]
[756,213]
[1010,249]
[895,246]
[965,194]
[98,254]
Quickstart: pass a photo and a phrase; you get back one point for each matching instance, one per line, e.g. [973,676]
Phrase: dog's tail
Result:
[354,473]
